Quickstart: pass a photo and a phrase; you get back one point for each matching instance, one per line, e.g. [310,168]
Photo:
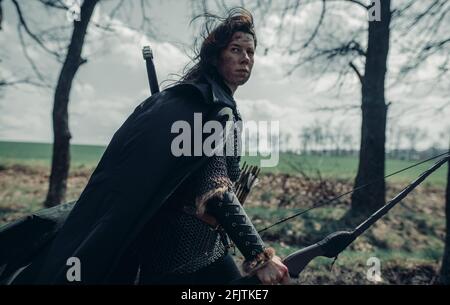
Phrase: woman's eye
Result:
[234,50]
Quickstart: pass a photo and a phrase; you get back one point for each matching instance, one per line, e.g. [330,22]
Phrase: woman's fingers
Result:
[275,272]
[267,280]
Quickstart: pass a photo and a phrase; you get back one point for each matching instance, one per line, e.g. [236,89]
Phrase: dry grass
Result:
[408,241]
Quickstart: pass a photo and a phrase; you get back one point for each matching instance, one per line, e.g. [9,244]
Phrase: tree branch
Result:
[319,23]
[1,14]
[4,83]
[398,12]
[353,45]
[355,69]
[423,14]
[30,61]
[55,4]
[350,47]
[436,45]
[359,3]
[115,9]
[31,34]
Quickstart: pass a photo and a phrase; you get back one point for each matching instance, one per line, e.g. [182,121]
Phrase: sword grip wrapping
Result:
[151,71]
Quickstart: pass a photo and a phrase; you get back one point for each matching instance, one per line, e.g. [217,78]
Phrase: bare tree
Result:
[374,112]
[340,132]
[317,136]
[287,141]
[67,50]
[390,136]
[327,139]
[61,140]
[414,135]
[282,143]
[418,29]
[348,142]
[445,268]
[305,138]
[399,135]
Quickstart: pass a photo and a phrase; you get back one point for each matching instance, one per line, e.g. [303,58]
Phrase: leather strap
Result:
[232,218]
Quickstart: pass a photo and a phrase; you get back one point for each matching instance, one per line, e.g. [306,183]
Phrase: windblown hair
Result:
[214,41]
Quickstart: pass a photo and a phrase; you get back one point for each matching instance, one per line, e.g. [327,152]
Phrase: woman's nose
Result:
[245,57]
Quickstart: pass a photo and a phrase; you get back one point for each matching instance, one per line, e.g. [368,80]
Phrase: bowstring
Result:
[327,202]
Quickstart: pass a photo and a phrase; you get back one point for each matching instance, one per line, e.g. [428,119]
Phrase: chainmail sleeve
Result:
[218,175]
[216,197]
[212,181]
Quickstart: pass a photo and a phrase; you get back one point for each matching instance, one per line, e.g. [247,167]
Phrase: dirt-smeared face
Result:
[236,60]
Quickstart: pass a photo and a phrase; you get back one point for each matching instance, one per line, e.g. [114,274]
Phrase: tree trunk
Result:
[374,110]
[61,132]
[445,268]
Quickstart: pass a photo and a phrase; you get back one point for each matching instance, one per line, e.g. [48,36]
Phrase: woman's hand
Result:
[274,272]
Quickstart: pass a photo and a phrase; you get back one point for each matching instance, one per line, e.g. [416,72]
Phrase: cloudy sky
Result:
[114,81]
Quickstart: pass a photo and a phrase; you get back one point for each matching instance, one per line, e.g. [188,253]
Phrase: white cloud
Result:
[108,87]
[266,110]
[25,115]
[98,121]
[127,47]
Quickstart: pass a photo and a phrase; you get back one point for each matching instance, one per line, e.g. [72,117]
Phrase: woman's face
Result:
[236,60]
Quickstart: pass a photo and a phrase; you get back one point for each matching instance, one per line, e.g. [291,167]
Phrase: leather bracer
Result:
[232,218]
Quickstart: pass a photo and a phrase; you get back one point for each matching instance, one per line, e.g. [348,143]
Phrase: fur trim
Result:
[200,201]
[222,184]
[259,261]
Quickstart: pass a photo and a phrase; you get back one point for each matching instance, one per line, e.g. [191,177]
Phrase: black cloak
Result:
[135,176]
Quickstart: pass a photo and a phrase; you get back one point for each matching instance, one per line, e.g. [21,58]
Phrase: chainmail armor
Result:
[176,241]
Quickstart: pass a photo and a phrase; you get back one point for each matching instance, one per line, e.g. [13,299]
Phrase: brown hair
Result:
[237,20]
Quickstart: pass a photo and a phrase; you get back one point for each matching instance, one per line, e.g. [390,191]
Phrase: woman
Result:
[225,62]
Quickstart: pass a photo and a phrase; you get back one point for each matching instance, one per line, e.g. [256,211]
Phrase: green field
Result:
[336,167]
[41,153]
[346,168]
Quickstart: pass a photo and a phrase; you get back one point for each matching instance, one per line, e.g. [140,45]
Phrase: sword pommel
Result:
[147,52]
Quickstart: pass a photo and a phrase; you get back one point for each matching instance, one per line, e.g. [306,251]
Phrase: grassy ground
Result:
[39,154]
[408,241]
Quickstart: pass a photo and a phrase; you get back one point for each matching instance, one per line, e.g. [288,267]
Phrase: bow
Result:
[333,244]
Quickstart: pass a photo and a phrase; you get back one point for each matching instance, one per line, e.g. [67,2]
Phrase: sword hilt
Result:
[147,53]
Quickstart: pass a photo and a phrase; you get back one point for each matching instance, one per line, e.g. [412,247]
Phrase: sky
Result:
[113,82]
